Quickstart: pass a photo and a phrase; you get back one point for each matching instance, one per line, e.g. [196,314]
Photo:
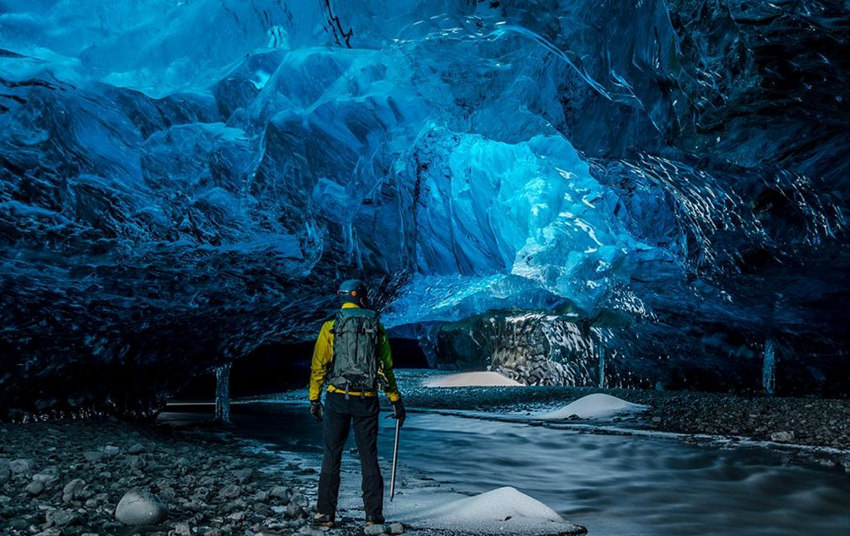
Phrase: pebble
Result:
[21,466]
[34,488]
[243,475]
[5,472]
[61,518]
[93,456]
[46,478]
[50,532]
[396,528]
[782,437]
[136,448]
[111,450]
[73,489]
[374,530]
[307,530]
[182,529]
[140,507]
[231,491]
[294,510]
[281,492]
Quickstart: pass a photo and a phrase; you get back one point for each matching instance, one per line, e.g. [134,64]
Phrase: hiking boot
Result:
[323,520]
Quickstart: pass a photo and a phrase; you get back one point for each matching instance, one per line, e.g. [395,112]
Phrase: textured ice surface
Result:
[183,182]
[594,406]
[501,511]
[471,379]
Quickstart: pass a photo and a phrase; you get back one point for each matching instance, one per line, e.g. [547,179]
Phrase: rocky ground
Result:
[102,477]
[802,421]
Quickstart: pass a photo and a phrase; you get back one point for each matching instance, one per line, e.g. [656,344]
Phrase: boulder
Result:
[140,507]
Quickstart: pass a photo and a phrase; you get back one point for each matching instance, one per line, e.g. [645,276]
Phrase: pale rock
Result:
[34,488]
[21,466]
[782,437]
[374,530]
[140,507]
[231,491]
[73,489]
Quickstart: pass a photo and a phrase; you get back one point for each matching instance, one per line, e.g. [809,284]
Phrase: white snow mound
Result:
[500,511]
[471,379]
[595,406]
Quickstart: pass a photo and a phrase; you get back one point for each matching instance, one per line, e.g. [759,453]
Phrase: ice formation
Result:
[593,406]
[645,192]
[504,510]
[471,379]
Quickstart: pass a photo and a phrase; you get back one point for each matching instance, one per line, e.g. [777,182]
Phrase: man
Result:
[353,355]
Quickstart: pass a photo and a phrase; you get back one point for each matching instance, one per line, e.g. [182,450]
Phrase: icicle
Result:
[601,351]
[768,373]
[222,393]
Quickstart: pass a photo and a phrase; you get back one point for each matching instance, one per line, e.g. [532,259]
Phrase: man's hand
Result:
[399,412]
[316,410]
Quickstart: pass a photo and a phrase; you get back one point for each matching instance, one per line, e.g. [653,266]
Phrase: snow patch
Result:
[471,379]
[500,511]
[595,406]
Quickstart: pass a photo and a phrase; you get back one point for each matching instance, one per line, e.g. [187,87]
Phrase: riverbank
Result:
[799,421]
[66,479]
[802,421]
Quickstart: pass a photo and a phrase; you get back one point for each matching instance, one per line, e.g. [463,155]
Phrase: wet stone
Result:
[73,489]
[374,530]
[21,466]
[294,510]
[93,456]
[34,488]
[182,529]
[782,437]
[230,491]
[281,492]
[140,507]
[61,518]
[395,528]
[243,475]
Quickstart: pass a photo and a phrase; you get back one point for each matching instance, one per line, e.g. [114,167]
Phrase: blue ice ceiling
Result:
[184,181]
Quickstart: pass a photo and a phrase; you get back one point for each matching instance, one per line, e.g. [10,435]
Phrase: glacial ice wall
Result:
[182,182]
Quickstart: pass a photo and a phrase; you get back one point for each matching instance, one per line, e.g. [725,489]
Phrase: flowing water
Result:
[614,485]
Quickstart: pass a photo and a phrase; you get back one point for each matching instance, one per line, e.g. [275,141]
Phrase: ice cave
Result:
[646,198]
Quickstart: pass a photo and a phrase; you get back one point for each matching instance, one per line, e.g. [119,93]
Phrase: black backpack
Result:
[355,359]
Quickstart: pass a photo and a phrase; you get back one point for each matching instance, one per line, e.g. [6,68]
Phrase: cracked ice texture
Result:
[182,182]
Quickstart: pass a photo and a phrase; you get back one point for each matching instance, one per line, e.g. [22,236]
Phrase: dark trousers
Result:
[339,414]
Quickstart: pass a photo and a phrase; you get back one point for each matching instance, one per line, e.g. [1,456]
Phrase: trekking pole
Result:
[395,459]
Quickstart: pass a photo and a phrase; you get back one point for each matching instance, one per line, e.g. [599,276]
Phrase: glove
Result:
[316,410]
[399,412]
